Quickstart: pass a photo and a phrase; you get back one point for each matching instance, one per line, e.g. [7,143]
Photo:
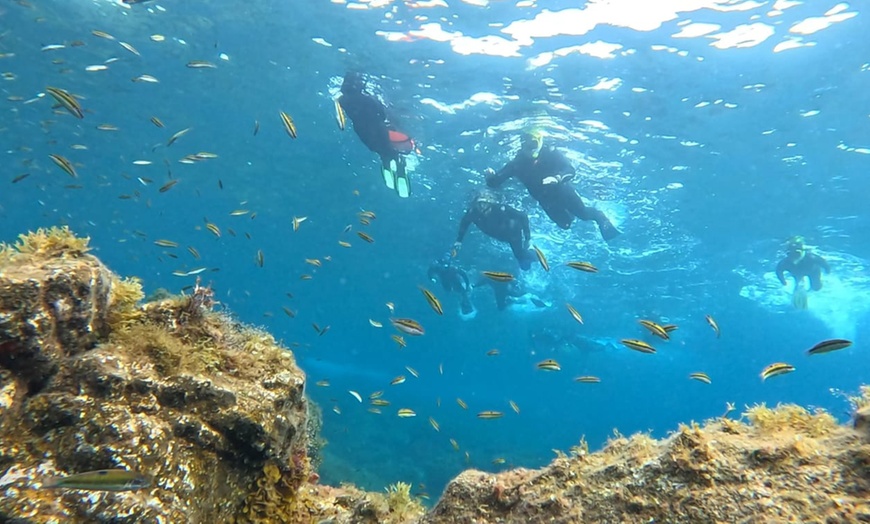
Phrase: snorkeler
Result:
[547,175]
[800,263]
[373,126]
[500,222]
[453,279]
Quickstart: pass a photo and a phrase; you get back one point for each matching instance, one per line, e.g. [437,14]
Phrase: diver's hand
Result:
[550,180]
[488,171]
[457,246]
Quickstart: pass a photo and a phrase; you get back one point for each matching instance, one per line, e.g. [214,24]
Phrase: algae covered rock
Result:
[215,413]
[91,380]
[53,303]
[782,465]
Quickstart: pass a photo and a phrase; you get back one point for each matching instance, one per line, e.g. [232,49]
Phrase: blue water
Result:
[704,192]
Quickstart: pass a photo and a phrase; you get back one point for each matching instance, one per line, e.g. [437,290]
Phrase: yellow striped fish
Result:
[66,100]
[583,266]
[64,164]
[549,365]
[541,258]
[433,301]
[498,276]
[339,116]
[638,345]
[775,369]
[289,126]
[701,377]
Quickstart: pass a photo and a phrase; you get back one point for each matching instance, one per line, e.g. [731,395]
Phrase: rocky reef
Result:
[89,380]
[774,465]
[92,378]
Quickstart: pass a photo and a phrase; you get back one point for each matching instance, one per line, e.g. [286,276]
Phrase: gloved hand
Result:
[489,171]
[457,246]
[550,180]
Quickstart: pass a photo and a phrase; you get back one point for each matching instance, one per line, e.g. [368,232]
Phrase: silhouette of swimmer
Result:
[453,279]
[547,175]
[508,293]
[501,222]
[374,128]
[800,263]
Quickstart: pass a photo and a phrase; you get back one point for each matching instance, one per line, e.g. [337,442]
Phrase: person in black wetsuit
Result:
[453,279]
[511,292]
[547,175]
[800,263]
[373,126]
[500,222]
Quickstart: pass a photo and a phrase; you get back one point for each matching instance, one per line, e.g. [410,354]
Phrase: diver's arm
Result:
[467,219]
[499,178]
[823,264]
[780,271]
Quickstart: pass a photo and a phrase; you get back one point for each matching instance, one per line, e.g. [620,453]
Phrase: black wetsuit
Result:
[811,265]
[453,279]
[504,291]
[502,223]
[369,117]
[558,199]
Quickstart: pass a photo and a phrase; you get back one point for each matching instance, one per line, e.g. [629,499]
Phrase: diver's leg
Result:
[523,256]
[576,207]
[465,305]
[560,216]
[815,279]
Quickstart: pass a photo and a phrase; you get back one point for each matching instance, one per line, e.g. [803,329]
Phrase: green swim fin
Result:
[388,174]
[403,184]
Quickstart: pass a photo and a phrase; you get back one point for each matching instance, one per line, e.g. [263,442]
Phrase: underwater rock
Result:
[783,465]
[215,413]
[53,303]
[90,380]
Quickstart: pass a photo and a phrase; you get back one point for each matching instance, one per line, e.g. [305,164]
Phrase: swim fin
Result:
[388,172]
[608,230]
[799,299]
[403,184]
[401,180]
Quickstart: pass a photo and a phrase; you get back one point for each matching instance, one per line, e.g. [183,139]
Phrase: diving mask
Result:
[532,143]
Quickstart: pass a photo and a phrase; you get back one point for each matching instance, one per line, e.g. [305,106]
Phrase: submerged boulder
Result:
[90,380]
[781,465]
